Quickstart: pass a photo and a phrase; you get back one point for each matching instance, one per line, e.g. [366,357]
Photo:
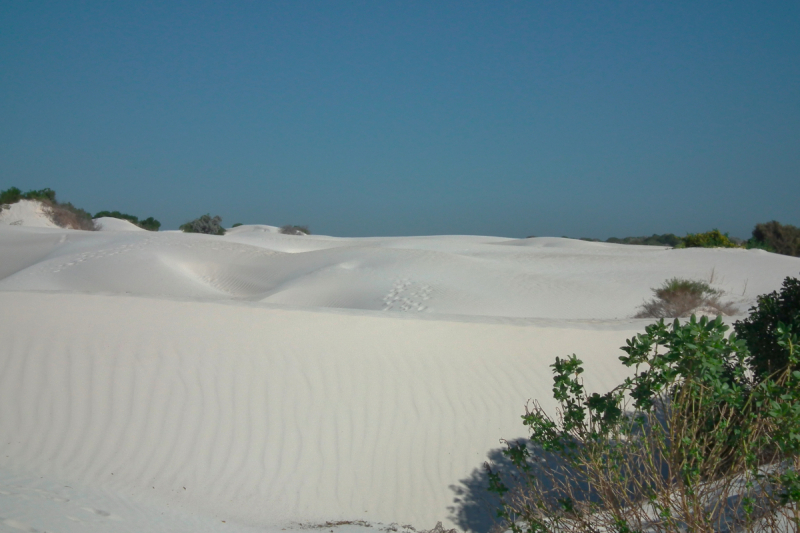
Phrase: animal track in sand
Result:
[86,256]
[407,296]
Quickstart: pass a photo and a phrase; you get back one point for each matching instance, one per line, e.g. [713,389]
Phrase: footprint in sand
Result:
[407,296]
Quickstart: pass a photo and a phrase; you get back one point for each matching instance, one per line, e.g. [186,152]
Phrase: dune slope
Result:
[270,380]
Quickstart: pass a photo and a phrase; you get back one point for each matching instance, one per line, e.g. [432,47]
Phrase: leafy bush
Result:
[237,225]
[760,329]
[13,195]
[10,196]
[776,237]
[205,224]
[690,442]
[679,297]
[149,223]
[709,239]
[295,230]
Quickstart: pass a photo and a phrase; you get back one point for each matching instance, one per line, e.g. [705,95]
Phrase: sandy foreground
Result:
[264,382]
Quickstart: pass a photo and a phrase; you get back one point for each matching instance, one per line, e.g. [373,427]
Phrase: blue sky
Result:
[586,119]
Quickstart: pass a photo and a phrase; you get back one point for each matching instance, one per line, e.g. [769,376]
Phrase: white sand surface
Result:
[30,213]
[170,382]
[115,224]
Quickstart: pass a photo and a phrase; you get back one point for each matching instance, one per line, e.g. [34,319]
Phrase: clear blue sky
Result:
[586,119]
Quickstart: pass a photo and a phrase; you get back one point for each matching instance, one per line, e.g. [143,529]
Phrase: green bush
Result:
[237,225]
[149,223]
[10,196]
[776,237]
[13,195]
[709,239]
[667,239]
[692,441]
[677,298]
[205,224]
[760,329]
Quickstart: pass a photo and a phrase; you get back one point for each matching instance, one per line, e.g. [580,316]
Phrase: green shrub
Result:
[690,442]
[237,225]
[44,195]
[667,239]
[776,237]
[205,224]
[117,214]
[10,196]
[679,297]
[760,329]
[149,223]
[709,239]
[14,195]
[295,230]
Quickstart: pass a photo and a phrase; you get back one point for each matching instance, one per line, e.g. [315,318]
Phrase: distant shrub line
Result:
[63,214]
[148,223]
[771,236]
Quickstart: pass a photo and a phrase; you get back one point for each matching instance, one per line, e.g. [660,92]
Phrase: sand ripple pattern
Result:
[262,413]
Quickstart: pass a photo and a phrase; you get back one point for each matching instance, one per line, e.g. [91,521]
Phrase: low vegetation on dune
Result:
[709,239]
[776,237]
[667,239]
[204,224]
[705,435]
[63,214]
[294,230]
[771,236]
[149,223]
[679,298]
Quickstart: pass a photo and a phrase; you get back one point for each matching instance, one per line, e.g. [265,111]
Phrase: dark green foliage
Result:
[149,223]
[776,237]
[691,442]
[295,230]
[667,239]
[709,239]
[117,214]
[760,329]
[236,225]
[14,195]
[47,195]
[10,196]
[205,224]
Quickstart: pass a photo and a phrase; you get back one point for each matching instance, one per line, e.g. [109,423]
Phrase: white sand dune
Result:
[115,224]
[29,213]
[170,382]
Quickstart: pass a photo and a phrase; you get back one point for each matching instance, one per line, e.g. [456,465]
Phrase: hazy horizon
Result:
[363,119]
